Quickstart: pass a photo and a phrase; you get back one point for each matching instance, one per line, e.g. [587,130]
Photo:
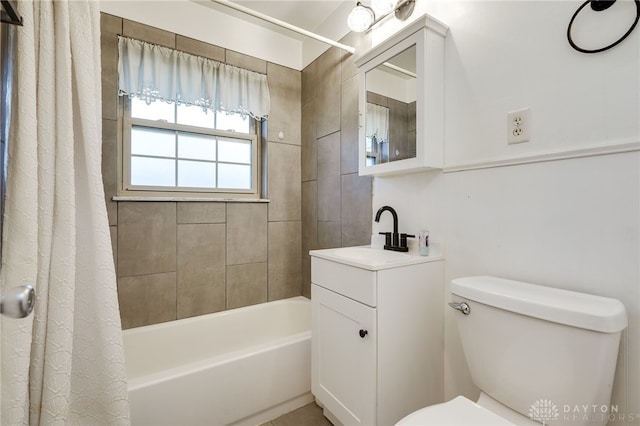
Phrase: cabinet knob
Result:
[363,333]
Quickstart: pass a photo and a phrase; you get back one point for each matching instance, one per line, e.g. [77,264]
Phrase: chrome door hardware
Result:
[462,307]
[18,302]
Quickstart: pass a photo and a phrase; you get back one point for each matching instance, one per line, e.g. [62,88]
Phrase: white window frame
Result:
[125,189]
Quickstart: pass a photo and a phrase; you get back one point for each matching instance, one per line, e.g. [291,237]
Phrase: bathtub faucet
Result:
[393,240]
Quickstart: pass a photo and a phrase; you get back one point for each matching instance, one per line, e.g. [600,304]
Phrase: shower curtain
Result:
[66,364]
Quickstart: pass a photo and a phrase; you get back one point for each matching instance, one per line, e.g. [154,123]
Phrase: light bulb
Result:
[382,7]
[360,18]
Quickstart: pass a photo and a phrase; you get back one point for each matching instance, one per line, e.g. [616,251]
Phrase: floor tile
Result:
[308,415]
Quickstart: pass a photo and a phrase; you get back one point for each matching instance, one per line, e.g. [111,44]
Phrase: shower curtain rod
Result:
[283,24]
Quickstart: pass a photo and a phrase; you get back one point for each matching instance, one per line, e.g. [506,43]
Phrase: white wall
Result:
[206,23]
[570,223]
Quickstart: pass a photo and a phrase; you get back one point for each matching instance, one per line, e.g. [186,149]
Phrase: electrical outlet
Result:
[518,126]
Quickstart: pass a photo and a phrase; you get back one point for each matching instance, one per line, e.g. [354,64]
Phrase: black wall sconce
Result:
[599,6]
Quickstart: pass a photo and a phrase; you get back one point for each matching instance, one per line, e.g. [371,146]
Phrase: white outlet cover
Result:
[518,133]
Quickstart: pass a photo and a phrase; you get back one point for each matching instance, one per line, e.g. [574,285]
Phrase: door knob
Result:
[363,333]
[18,302]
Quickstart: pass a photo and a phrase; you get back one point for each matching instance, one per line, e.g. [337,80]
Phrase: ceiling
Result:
[325,17]
[307,14]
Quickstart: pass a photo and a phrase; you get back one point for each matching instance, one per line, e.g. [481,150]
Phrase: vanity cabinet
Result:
[377,337]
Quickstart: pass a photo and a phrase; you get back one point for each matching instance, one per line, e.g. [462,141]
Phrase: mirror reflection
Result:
[390,118]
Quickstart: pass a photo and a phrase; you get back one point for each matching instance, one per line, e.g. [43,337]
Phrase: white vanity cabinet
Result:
[377,336]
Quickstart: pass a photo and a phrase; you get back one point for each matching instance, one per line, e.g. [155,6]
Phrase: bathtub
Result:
[243,366]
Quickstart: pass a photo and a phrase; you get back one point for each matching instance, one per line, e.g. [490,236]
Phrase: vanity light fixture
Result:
[382,7]
[362,17]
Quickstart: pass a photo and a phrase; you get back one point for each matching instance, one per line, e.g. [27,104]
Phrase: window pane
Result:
[234,151]
[152,171]
[156,110]
[196,147]
[196,174]
[154,142]
[195,116]
[232,122]
[234,176]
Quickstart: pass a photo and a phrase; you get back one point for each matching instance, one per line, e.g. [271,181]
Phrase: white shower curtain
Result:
[66,364]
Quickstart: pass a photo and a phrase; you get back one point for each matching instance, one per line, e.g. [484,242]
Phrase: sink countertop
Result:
[373,259]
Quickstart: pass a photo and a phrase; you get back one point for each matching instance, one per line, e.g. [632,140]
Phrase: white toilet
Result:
[536,353]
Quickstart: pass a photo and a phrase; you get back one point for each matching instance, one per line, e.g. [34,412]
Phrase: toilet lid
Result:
[457,412]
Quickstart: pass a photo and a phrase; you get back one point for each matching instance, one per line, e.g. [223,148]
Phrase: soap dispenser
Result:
[423,242]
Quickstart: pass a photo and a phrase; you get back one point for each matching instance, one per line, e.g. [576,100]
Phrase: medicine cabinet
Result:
[401,103]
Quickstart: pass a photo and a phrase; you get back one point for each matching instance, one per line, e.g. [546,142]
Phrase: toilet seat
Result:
[460,411]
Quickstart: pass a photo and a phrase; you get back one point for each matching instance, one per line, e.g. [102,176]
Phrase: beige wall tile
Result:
[110,27]
[246,233]
[113,230]
[147,299]
[356,210]
[246,284]
[167,270]
[362,43]
[146,238]
[200,269]
[411,123]
[377,99]
[329,235]
[149,34]
[285,273]
[199,48]
[202,212]
[349,129]
[245,61]
[283,184]
[110,24]
[285,115]
[329,178]
[329,79]
[398,144]
[310,83]
[306,276]
[309,216]
[309,143]
[110,167]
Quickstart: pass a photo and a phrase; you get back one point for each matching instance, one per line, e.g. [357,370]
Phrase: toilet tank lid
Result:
[566,307]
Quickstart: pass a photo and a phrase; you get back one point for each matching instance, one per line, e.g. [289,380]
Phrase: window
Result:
[376,134]
[190,124]
[169,147]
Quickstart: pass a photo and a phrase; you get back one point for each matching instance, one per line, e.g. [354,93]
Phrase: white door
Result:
[343,356]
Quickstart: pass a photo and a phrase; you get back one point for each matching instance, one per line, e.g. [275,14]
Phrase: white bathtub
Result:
[241,366]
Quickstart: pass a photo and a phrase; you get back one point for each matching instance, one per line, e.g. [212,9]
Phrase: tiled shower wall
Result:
[180,259]
[336,202]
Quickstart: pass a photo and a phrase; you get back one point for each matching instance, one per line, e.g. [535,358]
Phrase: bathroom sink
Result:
[368,254]
[370,258]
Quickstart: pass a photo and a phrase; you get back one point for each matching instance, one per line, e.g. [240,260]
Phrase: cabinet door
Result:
[343,374]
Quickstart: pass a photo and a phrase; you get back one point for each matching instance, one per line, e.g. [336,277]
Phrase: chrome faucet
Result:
[393,240]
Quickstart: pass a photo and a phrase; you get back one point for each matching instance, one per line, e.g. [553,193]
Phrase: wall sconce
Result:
[362,17]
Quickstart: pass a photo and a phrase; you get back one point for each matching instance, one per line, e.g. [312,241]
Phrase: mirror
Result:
[390,117]
[402,101]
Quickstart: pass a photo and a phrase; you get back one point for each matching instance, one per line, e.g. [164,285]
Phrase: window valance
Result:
[153,72]
[377,122]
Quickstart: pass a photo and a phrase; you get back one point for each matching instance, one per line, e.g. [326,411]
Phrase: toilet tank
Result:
[547,353]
